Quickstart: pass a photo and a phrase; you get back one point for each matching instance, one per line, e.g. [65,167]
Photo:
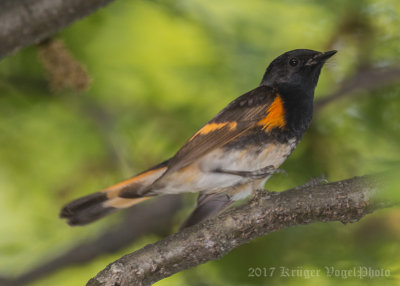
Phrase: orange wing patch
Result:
[275,115]
[210,127]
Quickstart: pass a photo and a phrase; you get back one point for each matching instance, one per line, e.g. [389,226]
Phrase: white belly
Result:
[200,176]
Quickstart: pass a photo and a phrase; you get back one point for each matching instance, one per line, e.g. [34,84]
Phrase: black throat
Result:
[298,103]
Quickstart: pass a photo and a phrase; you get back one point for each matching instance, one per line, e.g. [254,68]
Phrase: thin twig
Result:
[364,80]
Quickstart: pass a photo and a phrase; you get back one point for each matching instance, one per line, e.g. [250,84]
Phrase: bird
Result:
[233,154]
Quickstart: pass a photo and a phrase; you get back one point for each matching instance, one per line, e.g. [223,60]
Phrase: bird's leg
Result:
[256,174]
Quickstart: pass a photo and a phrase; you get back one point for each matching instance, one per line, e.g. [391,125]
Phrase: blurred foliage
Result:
[160,69]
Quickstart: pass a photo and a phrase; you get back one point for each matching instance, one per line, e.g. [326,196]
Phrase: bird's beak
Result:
[320,58]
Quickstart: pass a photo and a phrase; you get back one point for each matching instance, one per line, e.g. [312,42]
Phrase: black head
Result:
[299,68]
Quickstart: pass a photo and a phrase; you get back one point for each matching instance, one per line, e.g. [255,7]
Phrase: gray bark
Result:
[344,201]
[26,22]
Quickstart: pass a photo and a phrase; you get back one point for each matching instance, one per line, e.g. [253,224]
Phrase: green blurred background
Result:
[159,70]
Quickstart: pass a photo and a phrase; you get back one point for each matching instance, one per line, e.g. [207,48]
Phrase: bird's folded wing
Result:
[247,111]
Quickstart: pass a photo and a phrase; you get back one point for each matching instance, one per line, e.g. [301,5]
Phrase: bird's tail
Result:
[122,195]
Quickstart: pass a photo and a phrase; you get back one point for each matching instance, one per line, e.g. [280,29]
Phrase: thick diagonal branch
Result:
[26,22]
[345,201]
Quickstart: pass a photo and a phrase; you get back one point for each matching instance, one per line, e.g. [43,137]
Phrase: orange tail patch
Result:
[121,203]
[132,187]
[122,195]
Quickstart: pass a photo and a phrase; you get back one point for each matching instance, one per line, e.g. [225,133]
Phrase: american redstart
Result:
[230,156]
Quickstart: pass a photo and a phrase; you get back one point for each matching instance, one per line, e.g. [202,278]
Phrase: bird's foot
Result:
[256,174]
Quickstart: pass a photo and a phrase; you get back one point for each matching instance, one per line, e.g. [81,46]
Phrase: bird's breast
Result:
[250,157]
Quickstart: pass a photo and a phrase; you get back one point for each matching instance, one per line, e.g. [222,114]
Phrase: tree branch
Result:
[26,22]
[344,201]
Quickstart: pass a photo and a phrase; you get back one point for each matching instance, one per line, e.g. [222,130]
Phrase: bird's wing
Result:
[262,106]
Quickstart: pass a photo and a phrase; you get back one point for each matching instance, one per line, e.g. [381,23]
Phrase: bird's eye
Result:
[293,62]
